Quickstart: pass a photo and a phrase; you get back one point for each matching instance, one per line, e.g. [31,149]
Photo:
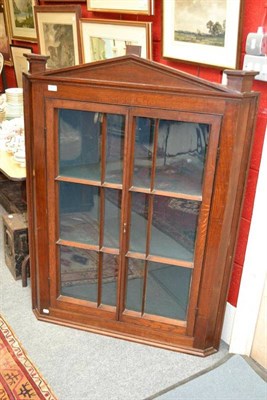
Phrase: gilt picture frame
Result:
[206,33]
[130,6]
[5,33]
[19,61]
[58,33]
[103,39]
[22,20]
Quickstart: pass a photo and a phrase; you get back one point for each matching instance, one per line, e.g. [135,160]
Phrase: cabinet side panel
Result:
[220,226]
[39,195]
[31,206]
[247,121]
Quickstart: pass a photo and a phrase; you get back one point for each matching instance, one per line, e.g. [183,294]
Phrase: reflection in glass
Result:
[135,284]
[167,290]
[78,273]
[79,213]
[174,225]
[112,218]
[114,147]
[109,279]
[139,217]
[143,151]
[79,144]
[181,152]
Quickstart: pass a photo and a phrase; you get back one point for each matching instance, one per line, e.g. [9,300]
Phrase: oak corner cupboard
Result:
[136,174]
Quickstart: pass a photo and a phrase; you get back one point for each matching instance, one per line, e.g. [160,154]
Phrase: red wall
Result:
[252,18]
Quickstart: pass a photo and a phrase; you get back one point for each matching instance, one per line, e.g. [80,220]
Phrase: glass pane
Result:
[114,148]
[181,151]
[79,213]
[79,144]
[135,285]
[139,217]
[143,151]
[109,279]
[79,273]
[167,290]
[174,227]
[112,218]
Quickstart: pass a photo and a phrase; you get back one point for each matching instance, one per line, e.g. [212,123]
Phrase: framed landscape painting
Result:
[5,34]
[22,20]
[59,34]
[203,32]
[122,6]
[103,39]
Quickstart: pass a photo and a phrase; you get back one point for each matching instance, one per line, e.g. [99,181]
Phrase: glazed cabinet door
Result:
[129,196]
[85,150]
[172,163]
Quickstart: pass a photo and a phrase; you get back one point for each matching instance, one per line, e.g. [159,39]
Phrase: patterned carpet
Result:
[19,379]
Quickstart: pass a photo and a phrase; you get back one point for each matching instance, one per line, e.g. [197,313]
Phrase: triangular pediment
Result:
[131,69]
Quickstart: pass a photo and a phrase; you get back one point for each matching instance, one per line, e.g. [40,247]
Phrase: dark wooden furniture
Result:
[12,184]
[15,243]
[136,174]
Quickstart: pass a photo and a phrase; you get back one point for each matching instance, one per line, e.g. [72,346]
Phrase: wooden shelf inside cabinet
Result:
[141,170]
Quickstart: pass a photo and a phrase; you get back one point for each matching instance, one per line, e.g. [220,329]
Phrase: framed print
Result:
[103,39]
[59,35]
[122,6]
[19,61]
[203,32]
[22,20]
[5,34]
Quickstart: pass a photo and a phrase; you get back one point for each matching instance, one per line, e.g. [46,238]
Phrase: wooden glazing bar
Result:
[129,137]
[78,180]
[144,289]
[102,205]
[154,157]
[103,146]
[101,217]
[162,260]
[109,250]
[171,261]
[78,245]
[148,238]
[138,256]
[99,280]
[177,195]
[149,223]
[139,190]
[112,185]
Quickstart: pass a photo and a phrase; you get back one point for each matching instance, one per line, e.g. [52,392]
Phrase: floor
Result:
[84,366]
